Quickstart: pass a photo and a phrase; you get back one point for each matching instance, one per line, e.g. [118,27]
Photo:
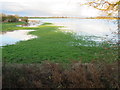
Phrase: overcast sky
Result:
[48,8]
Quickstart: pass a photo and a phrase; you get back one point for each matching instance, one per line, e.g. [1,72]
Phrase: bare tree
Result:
[110,8]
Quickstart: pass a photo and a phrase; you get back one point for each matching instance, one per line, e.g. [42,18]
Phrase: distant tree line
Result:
[12,18]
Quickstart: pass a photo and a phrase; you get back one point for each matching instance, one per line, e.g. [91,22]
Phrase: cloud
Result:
[14,7]
[47,7]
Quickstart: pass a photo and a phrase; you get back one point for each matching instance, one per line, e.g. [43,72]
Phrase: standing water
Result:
[99,29]
[13,37]
[32,23]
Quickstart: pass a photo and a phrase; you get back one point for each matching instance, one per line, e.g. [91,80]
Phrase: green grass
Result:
[11,26]
[53,45]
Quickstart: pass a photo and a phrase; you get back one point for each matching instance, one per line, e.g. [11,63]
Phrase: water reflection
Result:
[13,37]
[31,23]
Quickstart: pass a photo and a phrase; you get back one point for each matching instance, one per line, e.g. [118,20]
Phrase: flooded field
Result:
[99,29]
[89,29]
[12,37]
[61,40]
[32,23]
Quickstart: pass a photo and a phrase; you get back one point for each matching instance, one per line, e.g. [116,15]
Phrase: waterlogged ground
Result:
[99,29]
[13,37]
[54,45]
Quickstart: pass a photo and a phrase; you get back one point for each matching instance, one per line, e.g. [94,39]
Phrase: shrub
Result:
[53,75]
[25,19]
[11,18]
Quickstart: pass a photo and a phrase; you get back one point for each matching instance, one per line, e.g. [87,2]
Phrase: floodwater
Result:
[13,37]
[32,23]
[96,29]
[93,29]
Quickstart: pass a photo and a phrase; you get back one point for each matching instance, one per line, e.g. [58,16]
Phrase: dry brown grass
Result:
[53,75]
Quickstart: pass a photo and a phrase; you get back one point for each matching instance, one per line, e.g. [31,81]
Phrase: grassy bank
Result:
[54,45]
[11,26]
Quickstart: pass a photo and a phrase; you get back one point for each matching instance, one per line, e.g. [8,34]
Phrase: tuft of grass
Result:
[46,23]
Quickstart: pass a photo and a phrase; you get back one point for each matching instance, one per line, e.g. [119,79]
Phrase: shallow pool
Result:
[15,36]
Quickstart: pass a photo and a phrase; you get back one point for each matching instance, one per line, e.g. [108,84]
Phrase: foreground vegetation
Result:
[54,45]
[52,75]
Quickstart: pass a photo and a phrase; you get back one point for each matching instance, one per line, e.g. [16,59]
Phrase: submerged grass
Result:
[53,45]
